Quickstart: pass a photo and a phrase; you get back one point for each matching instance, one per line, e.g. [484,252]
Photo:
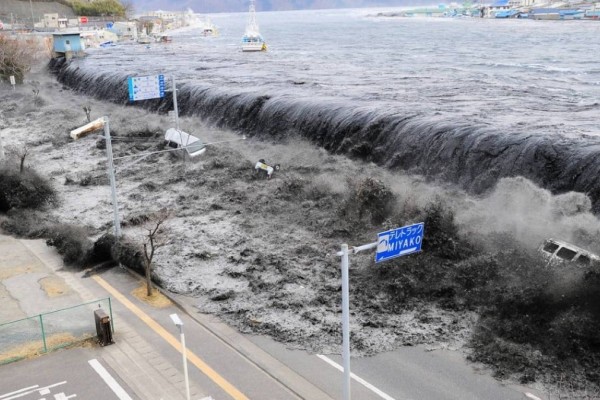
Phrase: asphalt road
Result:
[411,373]
[236,369]
[61,375]
[407,374]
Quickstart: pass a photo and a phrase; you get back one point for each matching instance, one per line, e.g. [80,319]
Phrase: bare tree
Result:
[154,238]
[37,100]
[88,110]
[129,7]
[20,151]
[16,57]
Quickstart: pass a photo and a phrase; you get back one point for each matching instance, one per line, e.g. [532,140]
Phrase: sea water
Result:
[469,100]
[512,74]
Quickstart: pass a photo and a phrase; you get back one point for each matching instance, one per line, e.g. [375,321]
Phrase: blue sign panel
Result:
[399,242]
[146,87]
[109,25]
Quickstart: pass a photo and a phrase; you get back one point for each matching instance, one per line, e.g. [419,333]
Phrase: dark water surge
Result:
[465,101]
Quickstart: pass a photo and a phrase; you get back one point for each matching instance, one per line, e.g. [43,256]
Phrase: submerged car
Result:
[559,251]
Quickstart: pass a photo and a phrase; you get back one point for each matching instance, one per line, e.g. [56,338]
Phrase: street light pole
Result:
[179,323]
[111,173]
[86,130]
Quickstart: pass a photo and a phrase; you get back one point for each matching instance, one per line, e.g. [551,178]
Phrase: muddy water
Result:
[466,100]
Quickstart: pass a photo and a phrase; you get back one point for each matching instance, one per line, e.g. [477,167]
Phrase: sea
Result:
[463,100]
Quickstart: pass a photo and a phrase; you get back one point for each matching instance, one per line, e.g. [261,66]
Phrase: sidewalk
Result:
[23,263]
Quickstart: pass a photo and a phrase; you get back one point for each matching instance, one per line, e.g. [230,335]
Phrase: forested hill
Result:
[21,9]
[210,6]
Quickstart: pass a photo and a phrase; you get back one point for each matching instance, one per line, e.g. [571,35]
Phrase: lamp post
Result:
[179,323]
[86,130]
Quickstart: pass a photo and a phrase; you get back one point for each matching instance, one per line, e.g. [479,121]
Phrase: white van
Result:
[559,251]
[180,139]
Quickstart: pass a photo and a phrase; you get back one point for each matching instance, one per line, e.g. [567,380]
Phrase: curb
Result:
[285,376]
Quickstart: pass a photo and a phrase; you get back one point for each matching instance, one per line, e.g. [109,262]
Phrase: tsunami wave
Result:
[472,156]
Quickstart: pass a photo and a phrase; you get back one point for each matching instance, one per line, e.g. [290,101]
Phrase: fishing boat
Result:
[556,13]
[164,38]
[145,39]
[209,29]
[252,39]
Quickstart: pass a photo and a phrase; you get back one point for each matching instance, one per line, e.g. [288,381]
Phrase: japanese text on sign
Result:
[146,87]
[399,242]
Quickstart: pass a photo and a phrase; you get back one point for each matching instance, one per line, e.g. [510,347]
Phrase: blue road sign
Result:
[399,242]
[109,25]
[146,87]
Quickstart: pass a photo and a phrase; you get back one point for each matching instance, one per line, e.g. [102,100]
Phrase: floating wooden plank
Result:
[87,129]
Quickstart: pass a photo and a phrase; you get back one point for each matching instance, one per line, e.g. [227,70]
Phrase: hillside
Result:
[211,6]
[22,10]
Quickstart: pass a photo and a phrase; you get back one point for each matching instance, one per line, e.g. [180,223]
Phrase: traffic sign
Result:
[109,25]
[146,87]
[83,20]
[399,242]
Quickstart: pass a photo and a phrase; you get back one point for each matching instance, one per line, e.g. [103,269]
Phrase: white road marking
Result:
[109,380]
[18,391]
[531,396]
[21,392]
[357,378]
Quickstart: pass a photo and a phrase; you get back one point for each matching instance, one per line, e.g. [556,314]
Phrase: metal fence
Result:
[48,331]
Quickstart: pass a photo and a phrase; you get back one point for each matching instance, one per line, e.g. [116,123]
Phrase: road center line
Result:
[357,378]
[162,332]
[109,380]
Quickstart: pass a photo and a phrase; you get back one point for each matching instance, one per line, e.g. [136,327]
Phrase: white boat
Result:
[145,40]
[252,39]
[209,28]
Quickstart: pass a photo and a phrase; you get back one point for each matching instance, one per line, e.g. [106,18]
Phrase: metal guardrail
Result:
[45,332]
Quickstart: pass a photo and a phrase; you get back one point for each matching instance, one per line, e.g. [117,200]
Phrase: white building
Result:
[125,30]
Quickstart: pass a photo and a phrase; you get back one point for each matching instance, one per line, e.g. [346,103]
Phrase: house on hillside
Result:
[54,21]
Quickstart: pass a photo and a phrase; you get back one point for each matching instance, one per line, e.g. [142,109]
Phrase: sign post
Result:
[390,244]
[175,104]
[345,322]
[12,82]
